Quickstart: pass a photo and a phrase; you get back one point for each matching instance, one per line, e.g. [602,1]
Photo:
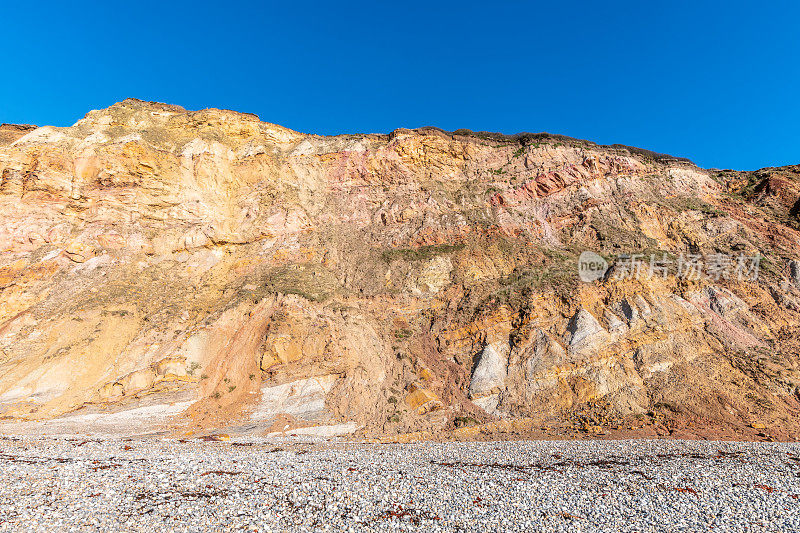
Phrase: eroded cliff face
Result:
[161,268]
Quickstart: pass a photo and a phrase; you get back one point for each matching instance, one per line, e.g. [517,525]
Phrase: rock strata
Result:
[220,272]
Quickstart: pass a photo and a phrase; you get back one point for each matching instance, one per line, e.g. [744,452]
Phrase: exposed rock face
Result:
[234,273]
[488,378]
[11,132]
[585,333]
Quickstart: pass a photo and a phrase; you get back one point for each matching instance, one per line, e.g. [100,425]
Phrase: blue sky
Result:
[718,82]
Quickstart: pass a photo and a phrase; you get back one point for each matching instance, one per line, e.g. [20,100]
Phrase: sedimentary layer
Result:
[163,268]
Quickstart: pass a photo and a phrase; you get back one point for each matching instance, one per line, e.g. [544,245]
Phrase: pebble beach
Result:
[76,484]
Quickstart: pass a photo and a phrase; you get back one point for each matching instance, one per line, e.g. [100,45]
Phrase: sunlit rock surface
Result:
[217,271]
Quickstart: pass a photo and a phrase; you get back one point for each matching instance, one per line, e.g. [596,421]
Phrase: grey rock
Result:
[490,373]
[58,484]
[584,332]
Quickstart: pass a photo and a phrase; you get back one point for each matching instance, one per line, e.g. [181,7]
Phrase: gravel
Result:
[63,484]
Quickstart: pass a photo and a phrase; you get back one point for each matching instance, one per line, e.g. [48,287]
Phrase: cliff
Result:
[171,270]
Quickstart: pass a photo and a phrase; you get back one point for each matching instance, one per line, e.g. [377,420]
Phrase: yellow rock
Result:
[283,349]
[113,241]
[407,214]
[79,252]
[268,360]
[171,366]
[217,437]
[139,380]
[424,401]
[111,390]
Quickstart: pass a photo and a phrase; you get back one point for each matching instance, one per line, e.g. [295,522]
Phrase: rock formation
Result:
[192,270]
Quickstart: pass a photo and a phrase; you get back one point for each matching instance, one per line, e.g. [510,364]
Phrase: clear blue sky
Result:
[718,82]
